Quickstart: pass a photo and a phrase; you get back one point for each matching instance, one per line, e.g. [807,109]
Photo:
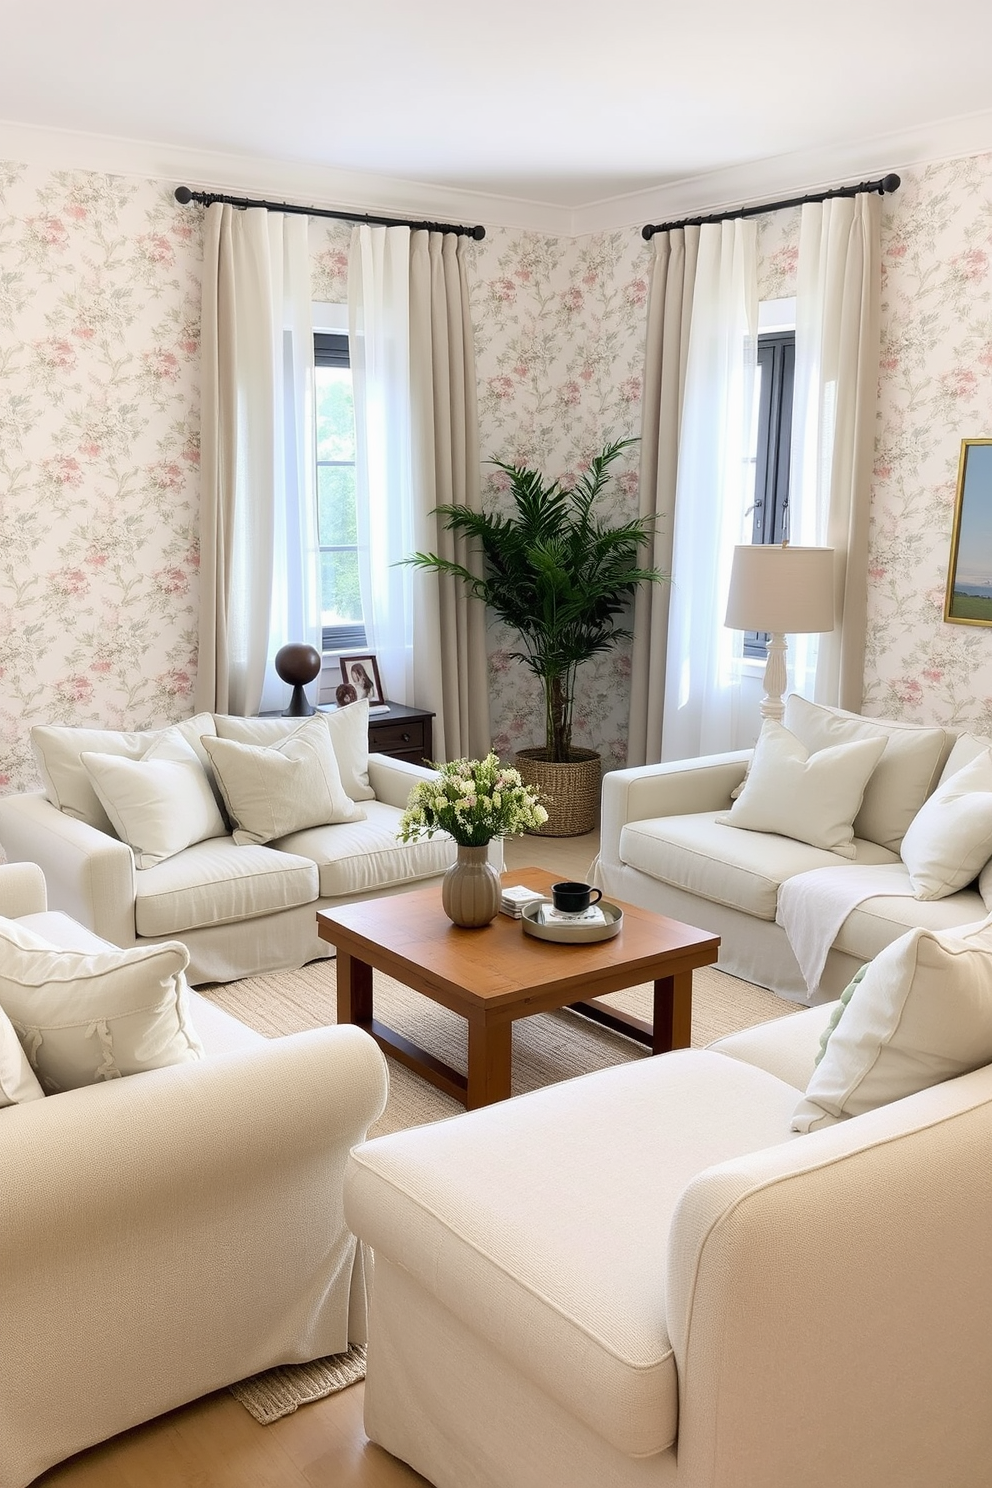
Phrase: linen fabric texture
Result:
[811,798]
[83,1017]
[273,790]
[347,728]
[159,804]
[18,1081]
[921,1014]
[904,776]
[949,841]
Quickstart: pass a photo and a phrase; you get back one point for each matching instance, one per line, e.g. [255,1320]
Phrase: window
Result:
[337,516]
[772,445]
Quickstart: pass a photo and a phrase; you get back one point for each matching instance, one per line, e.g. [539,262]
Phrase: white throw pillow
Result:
[159,804]
[18,1081]
[68,786]
[810,798]
[348,729]
[292,785]
[82,1017]
[922,1013]
[949,840]
[903,777]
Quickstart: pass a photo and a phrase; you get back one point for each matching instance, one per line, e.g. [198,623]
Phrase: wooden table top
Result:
[409,937]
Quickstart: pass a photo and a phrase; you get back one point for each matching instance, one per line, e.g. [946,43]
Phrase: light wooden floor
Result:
[215,1443]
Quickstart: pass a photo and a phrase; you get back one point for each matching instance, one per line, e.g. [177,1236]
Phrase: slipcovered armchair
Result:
[165,1234]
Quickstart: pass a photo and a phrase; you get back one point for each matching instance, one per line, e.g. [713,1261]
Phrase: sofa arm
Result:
[393,779]
[89,875]
[836,1270]
[164,1235]
[22,890]
[675,789]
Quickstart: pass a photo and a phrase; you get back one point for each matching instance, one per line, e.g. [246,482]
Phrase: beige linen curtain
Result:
[258,549]
[666,356]
[833,436]
[447,469]
[413,364]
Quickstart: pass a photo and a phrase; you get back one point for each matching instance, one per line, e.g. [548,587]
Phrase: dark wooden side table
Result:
[402,733]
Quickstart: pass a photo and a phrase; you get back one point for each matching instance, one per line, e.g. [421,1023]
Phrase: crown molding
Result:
[350,191]
[791,175]
[306,184]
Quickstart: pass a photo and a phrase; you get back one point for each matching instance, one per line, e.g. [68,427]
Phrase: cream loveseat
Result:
[167,1233]
[240,907]
[667,845]
[645,1277]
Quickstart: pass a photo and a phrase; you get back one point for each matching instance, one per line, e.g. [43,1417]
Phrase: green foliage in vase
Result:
[556,573]
[474,801]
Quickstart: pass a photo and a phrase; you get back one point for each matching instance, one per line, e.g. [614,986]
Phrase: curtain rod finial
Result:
[478,232]
[183,195]
[891,183]
[647,232]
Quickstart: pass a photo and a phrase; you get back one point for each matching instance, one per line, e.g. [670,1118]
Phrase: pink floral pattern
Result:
[99,438]
[99,347]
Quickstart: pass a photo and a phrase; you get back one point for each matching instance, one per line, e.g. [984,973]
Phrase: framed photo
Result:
[363,674]
[969,573]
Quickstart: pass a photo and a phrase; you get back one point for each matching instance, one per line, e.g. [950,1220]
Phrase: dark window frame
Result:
[330,349]
[770,512]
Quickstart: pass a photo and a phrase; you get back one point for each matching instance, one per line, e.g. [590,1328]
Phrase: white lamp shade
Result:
[781,589]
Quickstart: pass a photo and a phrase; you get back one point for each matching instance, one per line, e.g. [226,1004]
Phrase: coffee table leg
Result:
[672,1013]
[354,979]
[489,1056]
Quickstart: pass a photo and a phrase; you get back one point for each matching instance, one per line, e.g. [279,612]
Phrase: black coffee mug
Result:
[573,898]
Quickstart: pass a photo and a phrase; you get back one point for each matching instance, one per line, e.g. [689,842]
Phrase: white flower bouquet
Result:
[474,801]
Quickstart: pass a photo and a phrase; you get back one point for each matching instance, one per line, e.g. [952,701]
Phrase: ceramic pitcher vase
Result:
[471,889]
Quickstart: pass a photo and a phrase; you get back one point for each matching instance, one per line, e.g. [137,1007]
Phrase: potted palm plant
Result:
[563,579]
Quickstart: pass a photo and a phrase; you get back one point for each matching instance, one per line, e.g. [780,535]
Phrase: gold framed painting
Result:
[968,600]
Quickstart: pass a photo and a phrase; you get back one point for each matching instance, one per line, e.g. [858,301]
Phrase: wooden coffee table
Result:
[497,974]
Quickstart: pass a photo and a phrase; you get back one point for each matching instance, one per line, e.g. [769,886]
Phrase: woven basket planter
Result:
[572,789]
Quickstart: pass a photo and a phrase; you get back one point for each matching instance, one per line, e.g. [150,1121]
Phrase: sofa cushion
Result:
[68,786]
[877,922]
[216,882]
[741,869]
[811,798]
[949,841]
[348,729]
[18,1081]
[360,857]
[83,1017]
[904,776]
[495,1215]
[273,789]
[785,1047]
[159,804]
[921,1014]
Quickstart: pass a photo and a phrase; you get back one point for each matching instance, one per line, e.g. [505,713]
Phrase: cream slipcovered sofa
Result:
[166,1233]
[666,845]
[240,907]
[647,1278]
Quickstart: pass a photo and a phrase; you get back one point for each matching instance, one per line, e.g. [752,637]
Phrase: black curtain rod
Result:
[206,198]
[887,183]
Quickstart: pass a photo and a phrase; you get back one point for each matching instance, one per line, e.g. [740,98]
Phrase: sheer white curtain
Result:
[833,429]
[702,682]
[413,368]
[259,576]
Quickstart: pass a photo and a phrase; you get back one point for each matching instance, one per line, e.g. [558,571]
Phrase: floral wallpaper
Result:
[99,343]
[559,330]
[935,389]
[99,351]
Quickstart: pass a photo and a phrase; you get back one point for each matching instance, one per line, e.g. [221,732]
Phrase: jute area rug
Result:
[546,1048]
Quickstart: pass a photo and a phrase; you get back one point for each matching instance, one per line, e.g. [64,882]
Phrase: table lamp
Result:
[785,591]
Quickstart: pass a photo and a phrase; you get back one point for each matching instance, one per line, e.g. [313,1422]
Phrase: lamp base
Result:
[776,678]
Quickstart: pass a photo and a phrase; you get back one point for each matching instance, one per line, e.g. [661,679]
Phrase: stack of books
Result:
[514,899]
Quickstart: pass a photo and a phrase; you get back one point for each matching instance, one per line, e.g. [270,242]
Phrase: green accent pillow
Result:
[835,1018]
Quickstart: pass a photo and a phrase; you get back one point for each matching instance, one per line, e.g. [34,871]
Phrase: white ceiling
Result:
[534,101]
